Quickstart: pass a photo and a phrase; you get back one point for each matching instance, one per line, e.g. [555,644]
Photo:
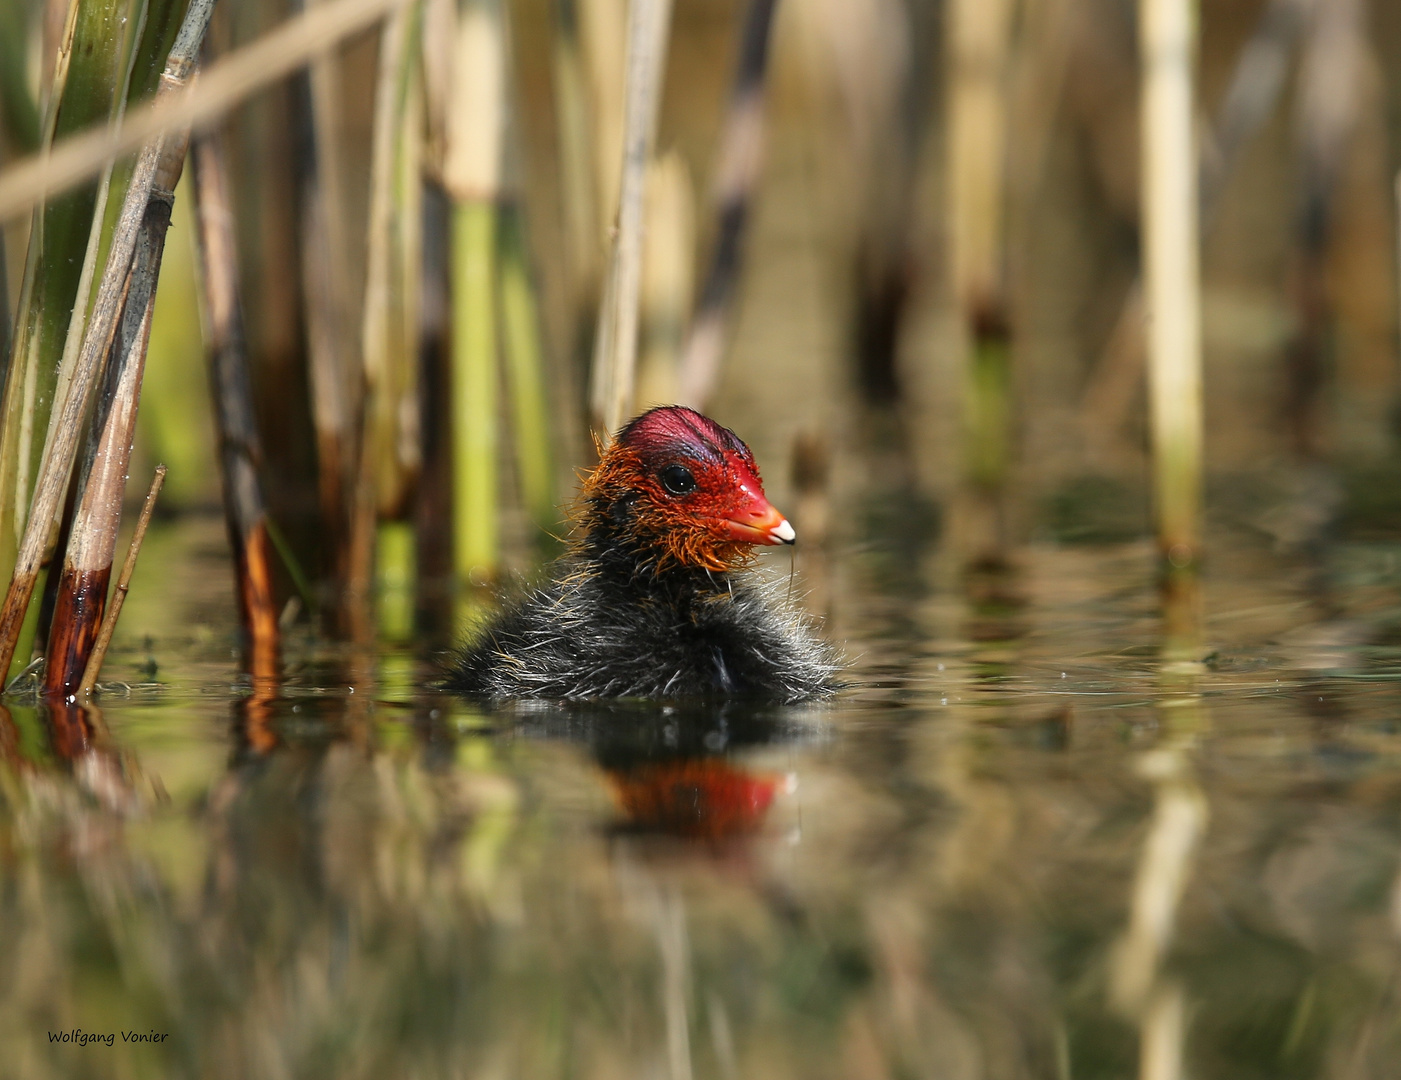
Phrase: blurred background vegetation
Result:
[847,323]
[896,245]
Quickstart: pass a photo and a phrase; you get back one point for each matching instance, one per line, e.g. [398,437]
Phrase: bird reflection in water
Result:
[677,770]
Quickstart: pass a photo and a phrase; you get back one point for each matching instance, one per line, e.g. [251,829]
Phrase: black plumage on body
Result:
[653,600]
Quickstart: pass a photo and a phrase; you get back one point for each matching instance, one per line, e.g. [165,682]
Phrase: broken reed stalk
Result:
[227,82]
[114,608]
[57,461]
[525,368]
[615,342]
[87,566]
[1167,44]
[736,177]
[981,43]
[472,176]
[240,447]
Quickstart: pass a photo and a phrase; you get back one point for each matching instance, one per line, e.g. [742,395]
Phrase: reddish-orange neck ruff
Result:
[623,503]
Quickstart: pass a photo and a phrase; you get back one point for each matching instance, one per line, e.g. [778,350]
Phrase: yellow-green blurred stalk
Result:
[520,325]
[980,46]
[474,391]
[390,332]
[1167,44]
[577,169]
[472,176]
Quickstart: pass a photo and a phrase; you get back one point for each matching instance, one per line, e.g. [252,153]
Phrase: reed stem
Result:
[474,392]
[87,566]
[978,105]
[114,609]
[1396,188]
[472,175]
[58,459]
[1167,40]
[90,85]
[525,366]
[240,447]
[578,180]
[615,344]
[334,366]
[389,329]
[228,82]
[736,177]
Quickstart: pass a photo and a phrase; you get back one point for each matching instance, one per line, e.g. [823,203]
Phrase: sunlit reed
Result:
[615,341]
[979,50]
[1167,43]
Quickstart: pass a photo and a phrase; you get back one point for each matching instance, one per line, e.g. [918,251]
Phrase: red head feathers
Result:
[677,482]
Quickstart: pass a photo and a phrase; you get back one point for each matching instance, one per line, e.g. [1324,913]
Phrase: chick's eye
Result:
[677,479]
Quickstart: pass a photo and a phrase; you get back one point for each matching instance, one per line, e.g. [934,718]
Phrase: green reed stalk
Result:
[390,329]
[392,442]
[18,112]
[81,588]
[615,344]
[474,393]
[395,570]
[472,175]
[88,80]
[525,366]
[58,457]
[1167,42]
[114,54]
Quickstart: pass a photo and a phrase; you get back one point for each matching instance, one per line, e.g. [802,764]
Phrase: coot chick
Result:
[651,599]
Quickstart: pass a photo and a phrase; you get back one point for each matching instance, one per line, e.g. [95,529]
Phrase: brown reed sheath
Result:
[114,609]
[333,346]
[87,566]
[240,448]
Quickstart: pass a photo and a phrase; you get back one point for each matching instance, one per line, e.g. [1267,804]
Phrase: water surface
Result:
[1015,848]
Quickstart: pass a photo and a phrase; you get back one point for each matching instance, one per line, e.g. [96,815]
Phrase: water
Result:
[1017,849]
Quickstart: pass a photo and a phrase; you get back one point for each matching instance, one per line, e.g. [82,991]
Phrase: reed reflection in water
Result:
[1017,849]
